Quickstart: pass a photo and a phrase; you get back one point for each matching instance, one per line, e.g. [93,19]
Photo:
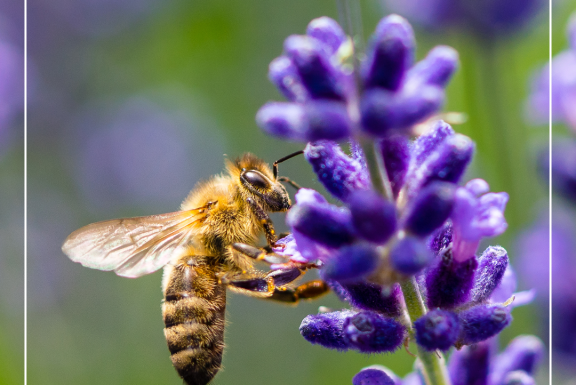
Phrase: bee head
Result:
[257,181]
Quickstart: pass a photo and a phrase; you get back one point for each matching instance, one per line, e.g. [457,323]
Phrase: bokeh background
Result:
[11,192]
[132,102]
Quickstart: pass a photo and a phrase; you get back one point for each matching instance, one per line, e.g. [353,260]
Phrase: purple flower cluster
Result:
[485,17]
[425,228]
[479,364]
[326,103]
[431,229]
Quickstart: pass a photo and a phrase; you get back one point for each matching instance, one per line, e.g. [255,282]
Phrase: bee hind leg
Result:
[288,272]
[308,290]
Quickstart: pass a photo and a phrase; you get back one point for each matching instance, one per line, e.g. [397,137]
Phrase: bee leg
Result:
[254,283]
[290,182]
[264,254]
[308,290]
[265,221]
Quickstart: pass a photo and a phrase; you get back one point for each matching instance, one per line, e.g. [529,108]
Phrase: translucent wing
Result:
[133,247]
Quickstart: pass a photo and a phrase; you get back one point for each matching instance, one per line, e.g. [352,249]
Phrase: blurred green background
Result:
[131,104]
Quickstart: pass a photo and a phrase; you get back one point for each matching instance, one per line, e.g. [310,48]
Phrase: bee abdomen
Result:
[193,312]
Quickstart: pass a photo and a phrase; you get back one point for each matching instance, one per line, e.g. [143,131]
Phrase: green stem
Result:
[433,363]
[378,174]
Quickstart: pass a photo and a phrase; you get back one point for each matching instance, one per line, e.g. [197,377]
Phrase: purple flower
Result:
[491,268]
[351,263]
[437,155]
[438,329]
[370,296]
[308,122]
[315,218]
[370,332]
[482,322]
[397,96]
[563,86]
[340,174]
[326,329]
[375,375]
[449,282]
[373,217]
[410,255]
[430,208]
[476,214]
[312,75]
[396,155]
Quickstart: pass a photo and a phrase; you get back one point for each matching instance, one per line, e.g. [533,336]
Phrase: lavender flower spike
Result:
[476,216]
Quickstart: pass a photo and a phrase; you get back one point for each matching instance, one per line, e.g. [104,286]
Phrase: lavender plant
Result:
[401,248]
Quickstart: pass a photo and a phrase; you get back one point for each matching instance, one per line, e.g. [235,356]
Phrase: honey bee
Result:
[208,246]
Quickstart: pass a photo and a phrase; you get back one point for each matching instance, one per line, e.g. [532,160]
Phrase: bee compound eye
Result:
[256,179]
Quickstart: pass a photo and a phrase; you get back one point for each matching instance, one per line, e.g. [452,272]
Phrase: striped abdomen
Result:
[193,311]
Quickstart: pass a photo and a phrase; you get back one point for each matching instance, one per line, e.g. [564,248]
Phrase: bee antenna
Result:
[275,164]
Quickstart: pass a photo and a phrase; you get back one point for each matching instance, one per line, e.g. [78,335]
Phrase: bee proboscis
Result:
[206,247]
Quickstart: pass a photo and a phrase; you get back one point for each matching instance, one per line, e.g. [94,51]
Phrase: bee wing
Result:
[132,247]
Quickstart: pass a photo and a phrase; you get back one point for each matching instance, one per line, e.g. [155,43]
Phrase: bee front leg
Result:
[265,221]
[268,286]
